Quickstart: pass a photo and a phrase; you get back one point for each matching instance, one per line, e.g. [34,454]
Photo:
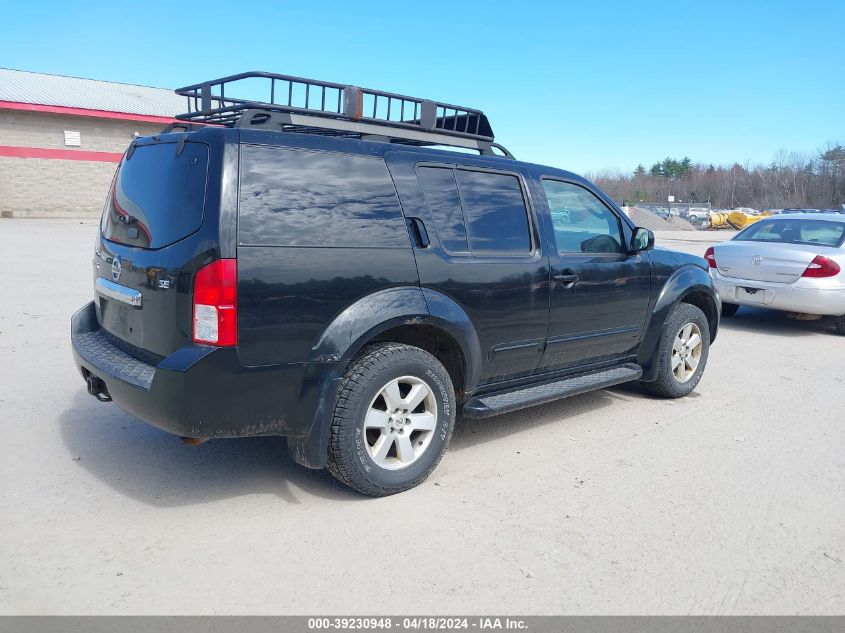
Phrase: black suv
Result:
[317,269]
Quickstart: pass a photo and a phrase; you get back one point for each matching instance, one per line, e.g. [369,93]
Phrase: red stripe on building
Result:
[59,154]
[98,114]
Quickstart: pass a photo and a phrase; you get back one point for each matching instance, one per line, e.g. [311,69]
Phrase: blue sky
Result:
[581,85]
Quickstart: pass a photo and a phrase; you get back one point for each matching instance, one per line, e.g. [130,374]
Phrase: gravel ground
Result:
[731,501]
[650,220]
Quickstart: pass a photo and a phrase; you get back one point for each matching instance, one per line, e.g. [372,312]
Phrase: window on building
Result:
[73,138]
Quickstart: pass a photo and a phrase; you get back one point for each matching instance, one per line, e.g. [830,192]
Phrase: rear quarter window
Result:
[303,198]
[157,198]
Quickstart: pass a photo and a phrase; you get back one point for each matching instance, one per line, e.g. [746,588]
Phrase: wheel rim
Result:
[400,422]
[686,352]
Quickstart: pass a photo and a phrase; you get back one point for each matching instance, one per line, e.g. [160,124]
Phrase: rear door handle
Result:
[567,278]
[418,232]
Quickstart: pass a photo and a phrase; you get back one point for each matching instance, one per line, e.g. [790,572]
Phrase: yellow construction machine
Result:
[733,219]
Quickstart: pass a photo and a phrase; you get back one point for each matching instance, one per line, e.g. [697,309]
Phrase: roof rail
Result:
[295,104]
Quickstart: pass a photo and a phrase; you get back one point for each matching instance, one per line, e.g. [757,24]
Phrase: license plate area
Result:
[121,320]
[750,294]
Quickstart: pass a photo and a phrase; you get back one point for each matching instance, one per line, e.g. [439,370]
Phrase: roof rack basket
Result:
[294,104]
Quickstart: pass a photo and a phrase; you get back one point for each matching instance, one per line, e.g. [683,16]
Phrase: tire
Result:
[380,454]
[729,309]
[677,382]
[839,323]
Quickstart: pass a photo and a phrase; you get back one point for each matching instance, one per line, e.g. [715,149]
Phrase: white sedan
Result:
[790,262]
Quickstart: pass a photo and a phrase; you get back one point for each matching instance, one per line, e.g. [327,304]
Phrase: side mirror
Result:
[643,240]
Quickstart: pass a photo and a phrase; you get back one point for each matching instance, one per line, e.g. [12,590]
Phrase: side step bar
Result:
[496,403]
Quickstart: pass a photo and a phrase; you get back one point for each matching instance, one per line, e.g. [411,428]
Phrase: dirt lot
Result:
[730,501]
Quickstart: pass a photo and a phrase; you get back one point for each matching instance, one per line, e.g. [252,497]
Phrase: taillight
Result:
[216,303]
[822,267]
[710,256]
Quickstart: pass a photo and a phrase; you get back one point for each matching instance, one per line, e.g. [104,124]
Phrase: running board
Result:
[496,403]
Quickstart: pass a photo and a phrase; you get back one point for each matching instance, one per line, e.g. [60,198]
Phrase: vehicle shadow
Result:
[158,469]
[774,322]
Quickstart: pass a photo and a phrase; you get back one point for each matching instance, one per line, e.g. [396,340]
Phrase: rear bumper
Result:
[806,295]
[201,391]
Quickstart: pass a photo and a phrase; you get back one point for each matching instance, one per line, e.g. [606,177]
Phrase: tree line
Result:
[791,180]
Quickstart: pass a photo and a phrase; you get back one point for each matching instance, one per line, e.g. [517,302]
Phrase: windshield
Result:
[795,231]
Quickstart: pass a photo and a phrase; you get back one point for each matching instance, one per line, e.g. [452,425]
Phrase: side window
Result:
[441,194]
[582,223]
[303,198]
[495,212]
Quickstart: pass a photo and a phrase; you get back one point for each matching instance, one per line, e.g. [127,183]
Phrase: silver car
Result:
[791,262]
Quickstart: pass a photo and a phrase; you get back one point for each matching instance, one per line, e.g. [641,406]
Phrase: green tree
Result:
[640,170]
[672,168]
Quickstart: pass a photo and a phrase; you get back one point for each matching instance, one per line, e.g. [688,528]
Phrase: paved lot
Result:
[730,501]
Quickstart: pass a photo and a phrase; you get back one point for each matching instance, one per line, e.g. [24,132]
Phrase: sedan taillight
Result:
[822,266]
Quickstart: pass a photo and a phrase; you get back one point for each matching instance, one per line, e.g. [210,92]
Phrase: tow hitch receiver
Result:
[97,388]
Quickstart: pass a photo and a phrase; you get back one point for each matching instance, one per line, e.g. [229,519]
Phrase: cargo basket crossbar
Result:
[262,99]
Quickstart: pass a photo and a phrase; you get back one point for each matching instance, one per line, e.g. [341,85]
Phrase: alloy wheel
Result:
[686,352]
[400,422]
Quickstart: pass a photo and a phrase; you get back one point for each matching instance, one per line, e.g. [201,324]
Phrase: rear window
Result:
[441,194]
[477,211]
[797,231]
[302,198]
[157,197]
[495,211]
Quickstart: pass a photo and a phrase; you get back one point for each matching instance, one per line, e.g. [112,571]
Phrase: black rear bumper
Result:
[200,391]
